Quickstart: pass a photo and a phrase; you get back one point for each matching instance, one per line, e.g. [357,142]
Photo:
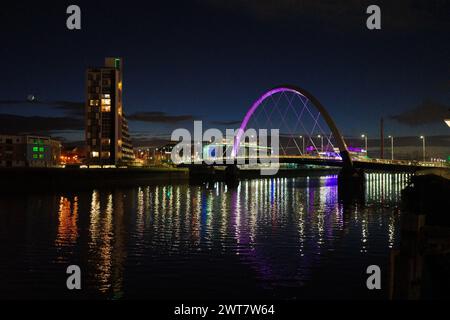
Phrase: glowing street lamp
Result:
[321,139]
[365,140]
[392,147]
[423,147]
[303,139]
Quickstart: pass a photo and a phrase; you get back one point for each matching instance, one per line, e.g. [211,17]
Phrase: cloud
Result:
[226,123]
[277,9]
[149,142]
[14,124]
[428,112]
[400,14]
[70,108]
[158,117]
[12,102]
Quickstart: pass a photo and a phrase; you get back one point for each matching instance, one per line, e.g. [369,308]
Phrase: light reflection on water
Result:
[283,238]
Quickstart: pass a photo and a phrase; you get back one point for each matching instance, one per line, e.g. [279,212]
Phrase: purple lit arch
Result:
[305,94]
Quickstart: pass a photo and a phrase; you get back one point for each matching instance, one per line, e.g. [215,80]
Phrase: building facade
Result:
[29,151]
[107,137]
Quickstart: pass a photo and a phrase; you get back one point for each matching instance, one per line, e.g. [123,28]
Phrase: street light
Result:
[423,147]
[365,139]
[303,139]
[392,147]
[321,139]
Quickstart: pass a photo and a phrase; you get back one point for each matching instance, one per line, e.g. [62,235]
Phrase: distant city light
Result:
[354,149]
[447,121]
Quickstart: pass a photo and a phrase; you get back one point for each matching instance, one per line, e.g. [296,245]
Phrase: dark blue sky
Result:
[211,59]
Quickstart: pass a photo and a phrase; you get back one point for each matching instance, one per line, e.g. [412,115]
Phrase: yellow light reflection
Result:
[67,233]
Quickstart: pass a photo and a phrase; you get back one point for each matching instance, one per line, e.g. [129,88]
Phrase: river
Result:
[281,238]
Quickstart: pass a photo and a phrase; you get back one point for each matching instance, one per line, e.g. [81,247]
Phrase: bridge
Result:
[303,120]
[377,165]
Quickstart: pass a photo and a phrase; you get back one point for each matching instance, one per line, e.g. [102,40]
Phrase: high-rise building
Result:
[107,137]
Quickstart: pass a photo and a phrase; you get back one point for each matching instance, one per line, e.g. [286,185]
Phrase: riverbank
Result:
[25,179]
[41,179]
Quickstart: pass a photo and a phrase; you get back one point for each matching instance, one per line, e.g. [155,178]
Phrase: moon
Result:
[31,98]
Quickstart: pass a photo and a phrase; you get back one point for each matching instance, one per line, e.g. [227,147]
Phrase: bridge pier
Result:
[351,183]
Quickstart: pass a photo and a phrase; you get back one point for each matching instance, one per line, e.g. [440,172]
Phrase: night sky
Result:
[209,60]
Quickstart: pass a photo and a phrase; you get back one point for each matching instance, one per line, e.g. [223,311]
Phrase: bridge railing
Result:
[406,162]
[283,158]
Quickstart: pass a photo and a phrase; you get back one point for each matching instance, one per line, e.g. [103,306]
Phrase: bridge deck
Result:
[369,164]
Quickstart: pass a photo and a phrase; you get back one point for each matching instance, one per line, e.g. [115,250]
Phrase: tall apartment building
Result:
[107,137]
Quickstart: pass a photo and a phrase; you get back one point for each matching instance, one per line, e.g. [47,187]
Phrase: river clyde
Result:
[281,238]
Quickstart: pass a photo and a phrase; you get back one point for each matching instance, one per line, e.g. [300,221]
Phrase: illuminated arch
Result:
[297,90]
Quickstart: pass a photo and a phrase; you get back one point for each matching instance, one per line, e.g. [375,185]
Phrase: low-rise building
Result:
[29,151]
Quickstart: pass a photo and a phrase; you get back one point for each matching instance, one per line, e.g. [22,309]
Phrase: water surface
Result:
[285,238]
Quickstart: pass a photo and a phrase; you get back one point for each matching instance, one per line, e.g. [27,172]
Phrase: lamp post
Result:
[365,141]
[321,144]
[423,147]
[303,140]
[392,147]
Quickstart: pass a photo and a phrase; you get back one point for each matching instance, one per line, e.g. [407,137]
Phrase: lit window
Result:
[41,156]
[41,149]
[107,96]
[35,156]
[106,108]
[106,102]
[95,154]
[35,149]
